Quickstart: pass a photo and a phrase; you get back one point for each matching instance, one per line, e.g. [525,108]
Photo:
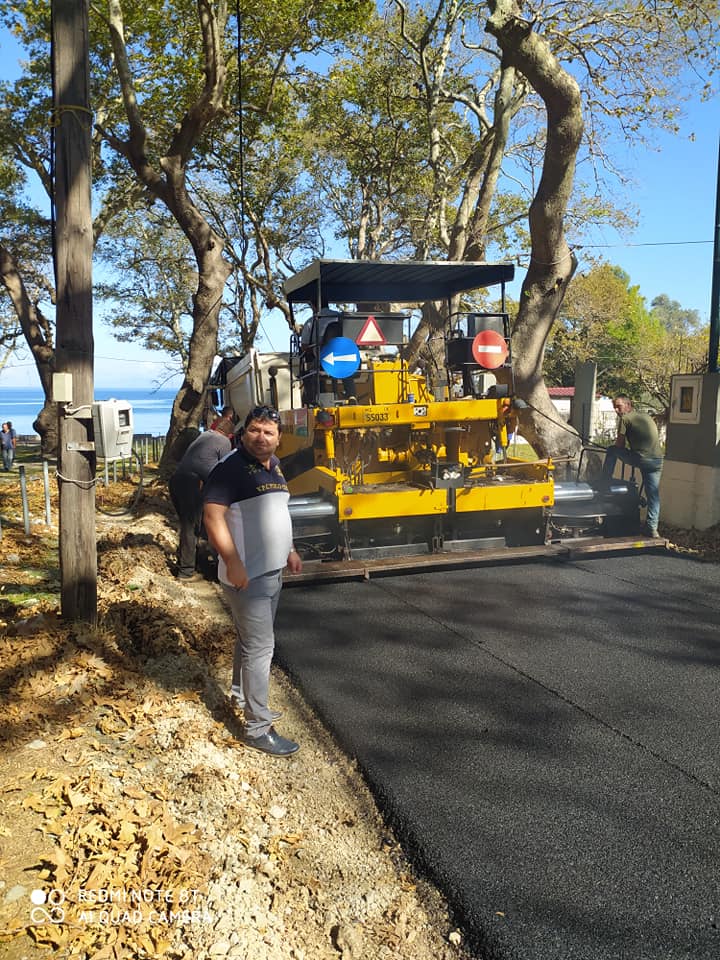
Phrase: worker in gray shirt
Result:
[186,488]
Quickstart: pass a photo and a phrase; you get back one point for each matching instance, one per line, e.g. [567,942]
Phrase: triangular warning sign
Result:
[371,335]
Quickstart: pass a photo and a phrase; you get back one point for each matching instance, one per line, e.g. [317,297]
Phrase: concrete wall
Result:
[690,485]
[690,495]
[697,440]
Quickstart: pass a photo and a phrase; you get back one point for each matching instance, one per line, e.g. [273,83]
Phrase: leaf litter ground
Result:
[132,821]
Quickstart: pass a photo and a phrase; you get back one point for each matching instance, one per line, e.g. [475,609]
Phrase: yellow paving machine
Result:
[391,468]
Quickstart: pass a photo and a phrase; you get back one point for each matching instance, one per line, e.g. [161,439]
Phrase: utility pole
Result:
[715,292]
[72,128]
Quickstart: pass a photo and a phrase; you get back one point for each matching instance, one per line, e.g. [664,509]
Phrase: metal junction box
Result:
[113,427]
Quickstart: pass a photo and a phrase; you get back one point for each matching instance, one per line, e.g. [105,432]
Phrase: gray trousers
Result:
[253,612]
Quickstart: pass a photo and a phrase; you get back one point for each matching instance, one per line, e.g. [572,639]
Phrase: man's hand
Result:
[236,572]
[294,563]
[218,533]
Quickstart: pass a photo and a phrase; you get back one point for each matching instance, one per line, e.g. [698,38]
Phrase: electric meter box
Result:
[113,426]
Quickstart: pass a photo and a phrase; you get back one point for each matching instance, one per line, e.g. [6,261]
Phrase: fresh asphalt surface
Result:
[544,739]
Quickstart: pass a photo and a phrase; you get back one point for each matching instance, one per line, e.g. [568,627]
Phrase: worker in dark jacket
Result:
[186,488]
[638,444]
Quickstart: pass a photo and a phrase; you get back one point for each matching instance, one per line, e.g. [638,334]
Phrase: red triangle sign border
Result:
[371,335]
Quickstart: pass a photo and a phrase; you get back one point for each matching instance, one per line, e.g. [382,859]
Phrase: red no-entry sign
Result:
[489,349]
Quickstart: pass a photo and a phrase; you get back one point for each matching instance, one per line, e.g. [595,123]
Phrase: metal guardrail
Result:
[147,449]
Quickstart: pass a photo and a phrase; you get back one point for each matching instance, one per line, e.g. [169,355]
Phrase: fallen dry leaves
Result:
[132,822]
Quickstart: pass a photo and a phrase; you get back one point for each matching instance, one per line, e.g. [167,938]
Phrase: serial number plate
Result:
[383,417]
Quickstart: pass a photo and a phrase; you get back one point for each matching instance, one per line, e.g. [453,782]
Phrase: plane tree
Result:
[164,82]
[26,228]
[603,319]
[460,117]
[150,300]
[562,80]
[25,272]
[25,265]
[610,64]
[502,109]
[244,173]
[266,212]
[627,62]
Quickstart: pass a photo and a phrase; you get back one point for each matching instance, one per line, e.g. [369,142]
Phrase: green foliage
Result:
[604,319]
[360,126]
[164,46]
[150,300]
[675,318]
[366,137]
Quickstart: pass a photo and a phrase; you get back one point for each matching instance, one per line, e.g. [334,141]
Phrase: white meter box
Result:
[113,426]
[685,397]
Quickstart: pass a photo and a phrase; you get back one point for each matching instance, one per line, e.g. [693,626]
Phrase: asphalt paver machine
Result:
[391,467]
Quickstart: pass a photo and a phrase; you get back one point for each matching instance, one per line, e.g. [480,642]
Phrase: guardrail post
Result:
[46,488]
[24,497]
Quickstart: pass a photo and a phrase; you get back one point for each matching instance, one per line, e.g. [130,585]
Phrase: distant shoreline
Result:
[152,408]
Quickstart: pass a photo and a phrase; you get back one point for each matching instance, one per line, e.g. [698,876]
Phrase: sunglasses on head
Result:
[263,413]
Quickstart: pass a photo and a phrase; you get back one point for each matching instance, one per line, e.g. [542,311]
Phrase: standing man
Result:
[186,489]
[8,439]
[247,520]
[638,444]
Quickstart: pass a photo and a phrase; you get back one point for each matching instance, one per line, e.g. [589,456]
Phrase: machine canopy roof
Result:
[372,281]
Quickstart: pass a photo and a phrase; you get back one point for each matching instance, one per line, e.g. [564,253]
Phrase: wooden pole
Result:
[72,129]
[714,345]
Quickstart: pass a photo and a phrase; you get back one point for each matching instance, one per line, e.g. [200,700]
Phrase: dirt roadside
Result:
[134,824]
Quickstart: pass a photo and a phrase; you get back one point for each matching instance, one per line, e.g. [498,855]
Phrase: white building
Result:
[602,419]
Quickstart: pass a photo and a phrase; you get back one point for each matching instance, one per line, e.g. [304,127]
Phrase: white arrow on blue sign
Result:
[340,357]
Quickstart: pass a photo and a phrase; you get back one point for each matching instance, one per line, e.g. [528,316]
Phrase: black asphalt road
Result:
[545,740]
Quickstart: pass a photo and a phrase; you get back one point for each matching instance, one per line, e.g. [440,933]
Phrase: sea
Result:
[151,407]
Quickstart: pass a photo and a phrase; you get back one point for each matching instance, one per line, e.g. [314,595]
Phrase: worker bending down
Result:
[638,444]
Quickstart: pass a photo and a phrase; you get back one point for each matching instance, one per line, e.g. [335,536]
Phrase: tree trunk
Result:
[37,333]
[468,236]
[168,183]
[470,231]
[551,263]
[190,404]
[46,425]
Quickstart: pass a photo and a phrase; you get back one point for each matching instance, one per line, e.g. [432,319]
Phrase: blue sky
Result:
[671,251]
[674,188]
[673,185]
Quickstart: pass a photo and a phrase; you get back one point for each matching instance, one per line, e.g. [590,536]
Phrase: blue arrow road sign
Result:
[340,357]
